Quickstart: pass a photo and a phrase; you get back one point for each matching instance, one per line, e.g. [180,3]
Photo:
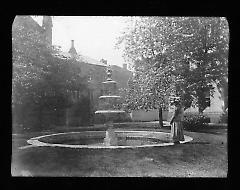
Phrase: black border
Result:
[117,8]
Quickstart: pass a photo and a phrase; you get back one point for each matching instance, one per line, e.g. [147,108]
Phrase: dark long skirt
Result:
[177,132]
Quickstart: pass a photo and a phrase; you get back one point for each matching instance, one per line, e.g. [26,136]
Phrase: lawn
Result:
[205,156]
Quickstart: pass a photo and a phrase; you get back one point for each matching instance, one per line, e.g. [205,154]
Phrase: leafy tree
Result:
[146,46]
[42,77]
[147,90]
[206,47]
[166,47]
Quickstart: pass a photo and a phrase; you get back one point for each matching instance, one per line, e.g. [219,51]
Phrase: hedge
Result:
[195,121]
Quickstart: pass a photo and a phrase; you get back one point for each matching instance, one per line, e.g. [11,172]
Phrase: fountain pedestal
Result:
[109,104]
[108,109]
[111,137]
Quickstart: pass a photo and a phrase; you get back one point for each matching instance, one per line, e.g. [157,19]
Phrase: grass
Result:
[205,156]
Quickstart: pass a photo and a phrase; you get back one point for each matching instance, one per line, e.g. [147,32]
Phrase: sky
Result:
[93,36]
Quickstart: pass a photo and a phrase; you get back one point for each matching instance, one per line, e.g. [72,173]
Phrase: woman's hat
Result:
[174,98]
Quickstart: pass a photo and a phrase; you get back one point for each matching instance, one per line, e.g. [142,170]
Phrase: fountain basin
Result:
[95,139]
[109,111]
[109,96]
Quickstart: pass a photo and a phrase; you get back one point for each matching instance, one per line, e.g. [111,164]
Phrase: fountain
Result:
[108,109]
[108,113]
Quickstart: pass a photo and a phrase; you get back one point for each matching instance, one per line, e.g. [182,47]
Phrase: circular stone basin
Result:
[109,111]
[95,139]
[109,96]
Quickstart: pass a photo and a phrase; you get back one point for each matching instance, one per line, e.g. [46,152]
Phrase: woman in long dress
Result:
[176,123]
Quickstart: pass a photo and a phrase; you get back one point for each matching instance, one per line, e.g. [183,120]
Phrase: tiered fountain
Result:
[109,111]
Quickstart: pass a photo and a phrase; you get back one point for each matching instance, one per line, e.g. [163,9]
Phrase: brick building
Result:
[95,71]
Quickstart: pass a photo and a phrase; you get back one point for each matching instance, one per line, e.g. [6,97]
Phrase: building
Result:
[95,71]
[215,108]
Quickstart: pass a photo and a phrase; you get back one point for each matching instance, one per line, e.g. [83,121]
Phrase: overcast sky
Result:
[93,36]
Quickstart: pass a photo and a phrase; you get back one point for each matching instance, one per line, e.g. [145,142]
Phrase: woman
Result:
[176,123]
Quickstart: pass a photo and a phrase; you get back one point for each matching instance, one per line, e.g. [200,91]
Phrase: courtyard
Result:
[146,98]
[205,156]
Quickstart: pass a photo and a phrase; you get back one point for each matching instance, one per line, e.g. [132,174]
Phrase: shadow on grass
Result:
[198,142]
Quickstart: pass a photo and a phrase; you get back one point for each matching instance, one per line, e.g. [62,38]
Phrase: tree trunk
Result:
[160,117]
[200,110]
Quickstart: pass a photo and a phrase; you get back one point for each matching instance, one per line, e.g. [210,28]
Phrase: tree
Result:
[170,45]
[207,50]
[147,90]
[42,78]
[146,45]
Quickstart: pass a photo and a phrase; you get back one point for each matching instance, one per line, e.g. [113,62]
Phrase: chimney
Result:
[47,26]
[72,50]
[125,65]
[72,43]
[103,61]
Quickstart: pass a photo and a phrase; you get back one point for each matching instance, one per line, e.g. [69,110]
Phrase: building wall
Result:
[97,75]
[214,111]
[152,115]
[121,75]
[216,107]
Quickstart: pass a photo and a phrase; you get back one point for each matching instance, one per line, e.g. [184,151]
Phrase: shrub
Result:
[224,118]
[195,121]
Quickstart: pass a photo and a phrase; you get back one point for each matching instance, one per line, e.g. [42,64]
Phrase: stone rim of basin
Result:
[109,96]
[109,111]
[36,141]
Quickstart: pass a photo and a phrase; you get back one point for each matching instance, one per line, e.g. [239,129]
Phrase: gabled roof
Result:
[82,58]
[120,69]
[90,60]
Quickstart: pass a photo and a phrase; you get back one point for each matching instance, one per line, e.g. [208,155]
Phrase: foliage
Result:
[207,51]
[146,90]
[224,117]
[185,55]
[195,121]
[42,78]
